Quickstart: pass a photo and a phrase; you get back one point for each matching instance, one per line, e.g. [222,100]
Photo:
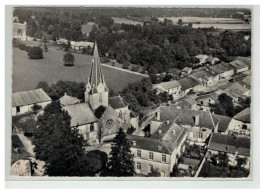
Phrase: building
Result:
[200,124]
[171,87]
[202,58]
[235,147]
[208,99]
[241,124]
[188,103]
[161,150]
[189,84]
[186,71]
[78,46]
[203,76]
[23,101]
[68,100]
[99,118]
[19,30]
[239,65]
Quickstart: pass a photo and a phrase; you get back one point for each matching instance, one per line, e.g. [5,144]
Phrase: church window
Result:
[139,153]
[109,123]
[150,155]
[100,97]
[120,114]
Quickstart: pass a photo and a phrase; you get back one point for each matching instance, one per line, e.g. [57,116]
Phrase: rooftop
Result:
[244,116]
[188,82]
[238,64]
[230,144]
[168,85]
[29,97]
[81,114]
[117,102]
[68,100]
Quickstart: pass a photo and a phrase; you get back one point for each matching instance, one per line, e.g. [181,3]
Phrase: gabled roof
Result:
[202,74]
[223,122]
[117,102]
[244,116]
[29,97]
[68,100]
[99,111]
[230,144]
[81,114]
[168,85]
[247,80]
[211,95]
[188,82]
[238,64]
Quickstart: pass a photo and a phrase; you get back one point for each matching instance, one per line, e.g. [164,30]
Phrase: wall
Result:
[193,133]
[90,136]
[27,108]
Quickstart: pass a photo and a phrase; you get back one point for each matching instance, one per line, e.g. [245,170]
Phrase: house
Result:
[239,65]
[202,58]
[235,147]
[171,87]
[212,60]
[204,76]
[81,44]
[207,99]
[19,31]
[186,71]
[161,150]
[68,100]
[200,124]
[241,123]
[188,103]
[189,84]
[23,101]
[62,41]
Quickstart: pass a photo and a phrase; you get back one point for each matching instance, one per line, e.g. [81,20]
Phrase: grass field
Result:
[27,73]
[126,21]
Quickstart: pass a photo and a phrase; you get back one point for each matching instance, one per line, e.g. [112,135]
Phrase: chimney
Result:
[197,120]
[158,115]
[173,132]
[168,121]
[159,148]
[134,143]
[159,131]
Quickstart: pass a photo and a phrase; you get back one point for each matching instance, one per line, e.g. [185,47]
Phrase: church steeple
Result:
[96,89]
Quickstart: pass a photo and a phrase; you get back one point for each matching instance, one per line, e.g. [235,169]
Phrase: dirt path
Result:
[27,143]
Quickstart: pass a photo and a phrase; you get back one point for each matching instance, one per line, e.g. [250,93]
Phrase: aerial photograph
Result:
[131,92]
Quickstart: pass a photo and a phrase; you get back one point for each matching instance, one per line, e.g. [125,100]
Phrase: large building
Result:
[99,118]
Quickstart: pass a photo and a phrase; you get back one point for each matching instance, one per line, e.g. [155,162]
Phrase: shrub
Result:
[134,68]
[22,46]
[45,47]
[126,65]
[28,48]
[35,53]
[68,59]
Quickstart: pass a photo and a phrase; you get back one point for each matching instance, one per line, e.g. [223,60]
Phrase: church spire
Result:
[96,75]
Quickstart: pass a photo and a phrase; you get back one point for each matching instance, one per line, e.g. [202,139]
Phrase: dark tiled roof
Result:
[211,95]
[29,97]
[244,116]
[81,114]
[230,144]
[152,144]
[224,122]
[238,64]
[188,82]
[117,102]
[99,111]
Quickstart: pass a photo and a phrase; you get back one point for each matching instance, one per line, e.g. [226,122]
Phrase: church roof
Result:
[96,75]
[117,102]
[68,100]
[81,114]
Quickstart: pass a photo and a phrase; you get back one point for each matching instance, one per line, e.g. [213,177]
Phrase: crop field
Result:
[126,21]
[27,73]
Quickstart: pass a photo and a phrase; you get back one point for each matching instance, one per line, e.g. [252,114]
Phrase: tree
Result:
[96,161]
[35,108]
[154,173]
[120,162]
[68,59]
[58,144]
[45,47]
[35,53]
[240,161]
[179,22]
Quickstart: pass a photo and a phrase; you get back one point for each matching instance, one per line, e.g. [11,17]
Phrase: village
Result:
[182,137]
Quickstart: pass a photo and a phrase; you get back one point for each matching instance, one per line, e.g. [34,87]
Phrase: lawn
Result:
[126,21]
[27,73]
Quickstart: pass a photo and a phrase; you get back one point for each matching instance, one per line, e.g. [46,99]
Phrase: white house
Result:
[23,101]
[171,87]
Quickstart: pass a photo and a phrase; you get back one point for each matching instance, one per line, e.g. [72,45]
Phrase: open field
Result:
[126,21]
[224,26]
[27,73]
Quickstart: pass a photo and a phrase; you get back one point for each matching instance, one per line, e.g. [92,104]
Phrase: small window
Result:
[91,127]
[150,155]
[138,166]
[150,168]
[139,153]
[209,100]
[164,158]
[120,114]
[200,135]
[18,109]
[244,127]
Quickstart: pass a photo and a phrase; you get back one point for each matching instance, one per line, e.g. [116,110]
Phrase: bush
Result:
[68,59]
[45,47]
[28,48]
[134,68]
[22,46]
[126,66]
[35,53]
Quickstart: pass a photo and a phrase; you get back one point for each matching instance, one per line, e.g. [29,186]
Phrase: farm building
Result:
[171,87]
[22,102]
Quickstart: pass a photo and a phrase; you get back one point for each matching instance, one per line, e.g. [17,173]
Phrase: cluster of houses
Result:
[160,144]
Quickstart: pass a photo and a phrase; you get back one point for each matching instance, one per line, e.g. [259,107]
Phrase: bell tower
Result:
[96,92]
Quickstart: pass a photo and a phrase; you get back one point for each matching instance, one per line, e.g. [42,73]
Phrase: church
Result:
[99,118]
